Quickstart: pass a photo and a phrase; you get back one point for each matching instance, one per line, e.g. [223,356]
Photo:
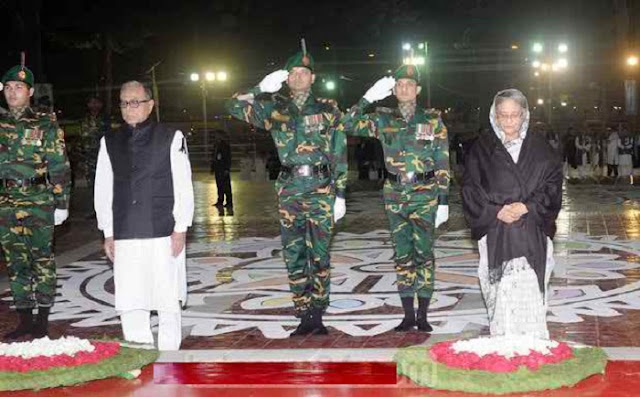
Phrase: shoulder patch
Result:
[328,101]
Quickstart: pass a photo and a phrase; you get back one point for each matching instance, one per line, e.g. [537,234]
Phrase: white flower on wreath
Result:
[46,347]
[507,346]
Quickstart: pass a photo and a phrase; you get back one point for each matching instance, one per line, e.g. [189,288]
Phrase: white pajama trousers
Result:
[148,278]
[136,327]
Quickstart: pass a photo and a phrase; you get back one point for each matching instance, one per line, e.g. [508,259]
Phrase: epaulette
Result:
[382,109]
[50,115]
[328,101]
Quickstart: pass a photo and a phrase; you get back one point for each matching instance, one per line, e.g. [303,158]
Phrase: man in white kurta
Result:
[144,205]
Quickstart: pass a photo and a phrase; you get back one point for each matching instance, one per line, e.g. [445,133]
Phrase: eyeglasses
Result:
[133,104]
[514,116]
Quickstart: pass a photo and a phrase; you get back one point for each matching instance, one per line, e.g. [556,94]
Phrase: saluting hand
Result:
[273,81]
[380,90]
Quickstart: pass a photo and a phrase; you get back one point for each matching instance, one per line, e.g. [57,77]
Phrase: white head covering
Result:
[518,96]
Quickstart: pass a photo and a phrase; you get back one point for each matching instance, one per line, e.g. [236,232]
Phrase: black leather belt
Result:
[411,177]
[304,170]
[13,183]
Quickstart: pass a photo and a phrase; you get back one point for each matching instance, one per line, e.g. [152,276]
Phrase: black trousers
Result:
[223,182]
[612,169]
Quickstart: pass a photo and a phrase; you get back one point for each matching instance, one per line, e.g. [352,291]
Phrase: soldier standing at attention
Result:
[416,152]
[34,195]
[312,181]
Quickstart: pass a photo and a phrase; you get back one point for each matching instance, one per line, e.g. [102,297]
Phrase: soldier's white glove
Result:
[59,216]
[273,81]
[442,214]
[339,209]
[380,90]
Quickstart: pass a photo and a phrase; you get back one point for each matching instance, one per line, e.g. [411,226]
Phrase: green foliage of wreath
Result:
[127,359]
[416,364]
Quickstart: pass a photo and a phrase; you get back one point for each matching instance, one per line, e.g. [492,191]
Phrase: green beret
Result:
[408,72]
[300,60]
[19,73]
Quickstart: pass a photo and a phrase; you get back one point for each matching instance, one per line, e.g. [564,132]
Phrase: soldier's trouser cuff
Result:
[44,300]
[301,308]
[24,304]
[425,292]
[321,304]
[406,292]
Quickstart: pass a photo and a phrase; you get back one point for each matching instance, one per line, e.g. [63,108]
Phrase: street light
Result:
[208,77]
[330,85]
[550,62]
[406,47]
[632,60]
[563,63]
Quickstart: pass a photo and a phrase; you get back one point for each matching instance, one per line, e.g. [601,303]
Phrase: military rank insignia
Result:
[313,122]
[32,136]
[424,132]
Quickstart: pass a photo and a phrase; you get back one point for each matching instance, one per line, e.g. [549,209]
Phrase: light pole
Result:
[204,79]
[156,95]
[549,62]
[630,89]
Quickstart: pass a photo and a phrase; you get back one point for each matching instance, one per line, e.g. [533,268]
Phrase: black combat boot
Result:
[25,326]
[305,327]
[423,306]
[316,320]
[409,320]
[41,327]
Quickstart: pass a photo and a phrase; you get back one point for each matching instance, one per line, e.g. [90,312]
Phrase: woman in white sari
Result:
[512,192]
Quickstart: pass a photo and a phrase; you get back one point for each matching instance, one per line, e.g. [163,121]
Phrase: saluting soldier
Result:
[311,185]
[416,152]
[34,195]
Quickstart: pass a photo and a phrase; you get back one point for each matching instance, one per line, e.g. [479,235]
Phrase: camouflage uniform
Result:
[306,136]
[34,174]
[416,146]
[92,129]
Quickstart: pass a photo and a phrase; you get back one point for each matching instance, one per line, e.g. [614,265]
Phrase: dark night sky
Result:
[244,36]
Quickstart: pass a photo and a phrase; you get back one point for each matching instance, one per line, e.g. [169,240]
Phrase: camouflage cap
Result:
[408,72]
[19,73]
[301,59]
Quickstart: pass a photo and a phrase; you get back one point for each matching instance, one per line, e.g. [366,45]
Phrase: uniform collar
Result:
[24,113]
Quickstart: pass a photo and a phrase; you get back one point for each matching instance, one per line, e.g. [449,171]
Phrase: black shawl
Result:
[492,180]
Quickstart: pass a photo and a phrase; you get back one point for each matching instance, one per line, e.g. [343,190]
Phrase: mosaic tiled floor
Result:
[239,299]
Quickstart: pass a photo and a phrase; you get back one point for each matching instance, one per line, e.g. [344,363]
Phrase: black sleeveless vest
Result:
[142,183]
